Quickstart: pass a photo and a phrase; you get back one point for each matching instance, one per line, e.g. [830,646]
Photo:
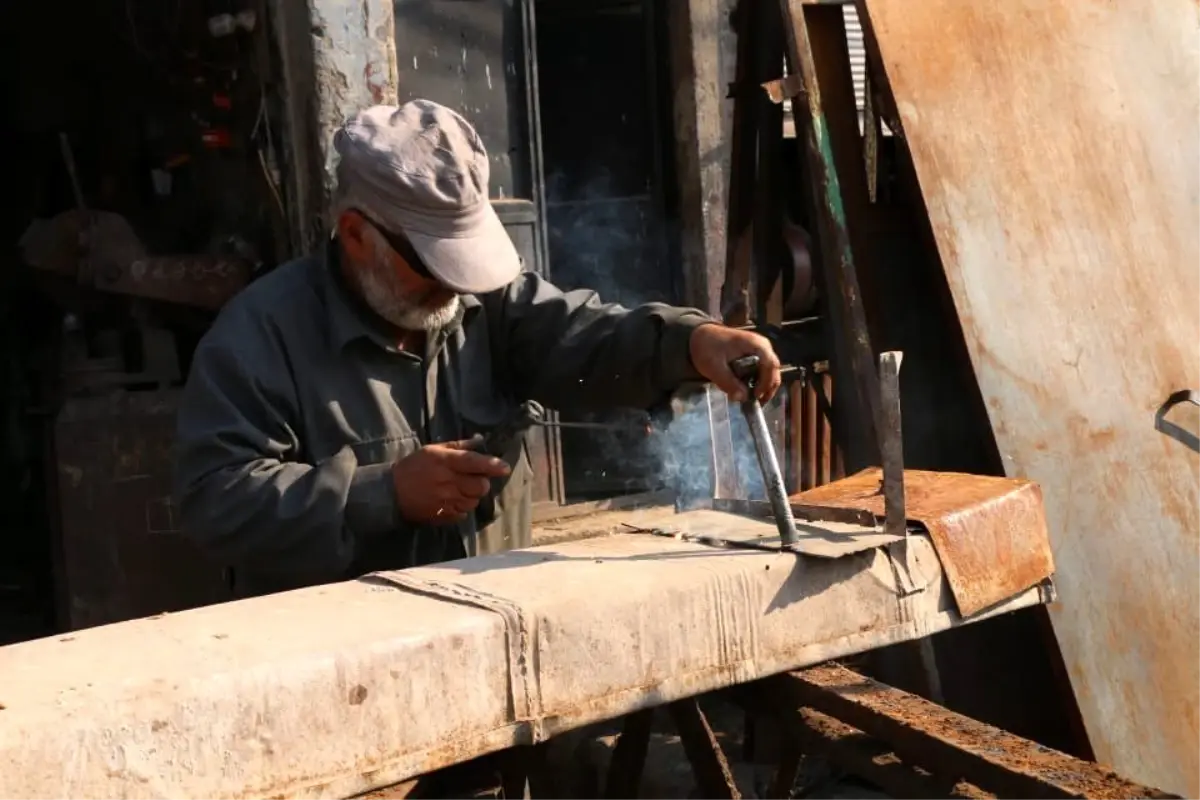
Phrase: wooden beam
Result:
[853,353]
[700,44]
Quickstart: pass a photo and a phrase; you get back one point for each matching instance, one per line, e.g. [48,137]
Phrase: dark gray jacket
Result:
[296,406]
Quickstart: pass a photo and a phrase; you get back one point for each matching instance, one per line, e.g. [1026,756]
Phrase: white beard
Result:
[397,309]
[385,298]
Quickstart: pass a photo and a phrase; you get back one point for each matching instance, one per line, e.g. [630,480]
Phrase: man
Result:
[325,427]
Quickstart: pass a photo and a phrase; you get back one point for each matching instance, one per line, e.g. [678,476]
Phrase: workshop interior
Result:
[145,179]
[151,190]
[160,156]
[149,186]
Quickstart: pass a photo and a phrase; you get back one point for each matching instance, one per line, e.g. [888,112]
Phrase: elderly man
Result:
[324,429]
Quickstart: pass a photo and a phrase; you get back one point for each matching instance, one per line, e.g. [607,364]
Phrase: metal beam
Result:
[509,649]
[940,740]
[874,761]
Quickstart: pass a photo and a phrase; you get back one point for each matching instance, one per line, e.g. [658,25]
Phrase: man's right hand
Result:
[442,483]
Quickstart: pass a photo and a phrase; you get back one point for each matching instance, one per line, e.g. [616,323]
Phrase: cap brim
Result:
[483,260]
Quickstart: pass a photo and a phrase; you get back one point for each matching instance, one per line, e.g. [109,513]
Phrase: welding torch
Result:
[530,414]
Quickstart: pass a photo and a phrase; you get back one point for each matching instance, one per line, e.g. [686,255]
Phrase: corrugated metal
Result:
[858,55]
[1067,228]
[858,70]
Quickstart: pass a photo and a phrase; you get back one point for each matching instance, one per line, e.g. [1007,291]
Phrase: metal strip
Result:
[524,694]
[819,734]
[1162,425]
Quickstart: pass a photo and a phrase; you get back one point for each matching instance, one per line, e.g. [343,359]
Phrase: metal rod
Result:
[891,442]
[773,477]
[746,369]
[594,426]
[711,769]
[707,541]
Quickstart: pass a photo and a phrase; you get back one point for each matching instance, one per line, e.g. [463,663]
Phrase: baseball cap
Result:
[421,170]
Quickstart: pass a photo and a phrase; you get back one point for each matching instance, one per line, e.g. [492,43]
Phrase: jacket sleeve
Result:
[572,352]
[242,489]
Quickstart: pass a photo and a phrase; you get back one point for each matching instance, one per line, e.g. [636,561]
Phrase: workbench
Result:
[334,690]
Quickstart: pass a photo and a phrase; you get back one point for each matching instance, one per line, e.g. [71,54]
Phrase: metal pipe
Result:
[746,370]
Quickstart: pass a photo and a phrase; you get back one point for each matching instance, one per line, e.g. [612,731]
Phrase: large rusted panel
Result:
[1055,146]
[990,533]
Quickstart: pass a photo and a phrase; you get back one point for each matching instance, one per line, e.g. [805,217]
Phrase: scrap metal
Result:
[891,444]
[950,744]
[853,354]
[708,541]
[848,748]
[975,521]
[875,762]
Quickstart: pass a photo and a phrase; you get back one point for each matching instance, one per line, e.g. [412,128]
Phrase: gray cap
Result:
[422,170]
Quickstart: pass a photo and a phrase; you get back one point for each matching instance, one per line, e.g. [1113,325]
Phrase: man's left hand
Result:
[713,346]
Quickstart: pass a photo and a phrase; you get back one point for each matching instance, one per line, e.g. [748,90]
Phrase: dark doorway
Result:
[605,130]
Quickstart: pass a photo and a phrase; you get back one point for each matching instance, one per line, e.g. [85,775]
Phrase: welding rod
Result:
[594,426]
[529,414]
[745,369]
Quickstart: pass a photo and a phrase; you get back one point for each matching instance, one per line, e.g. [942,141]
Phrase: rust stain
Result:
[989,533]
[922,730]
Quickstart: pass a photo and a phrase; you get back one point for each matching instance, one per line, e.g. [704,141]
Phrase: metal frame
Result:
[533,122]
[907,743]
[901,743]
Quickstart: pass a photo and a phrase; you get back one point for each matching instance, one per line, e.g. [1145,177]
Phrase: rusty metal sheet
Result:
[1057,159]
[949,743]
[990,533]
